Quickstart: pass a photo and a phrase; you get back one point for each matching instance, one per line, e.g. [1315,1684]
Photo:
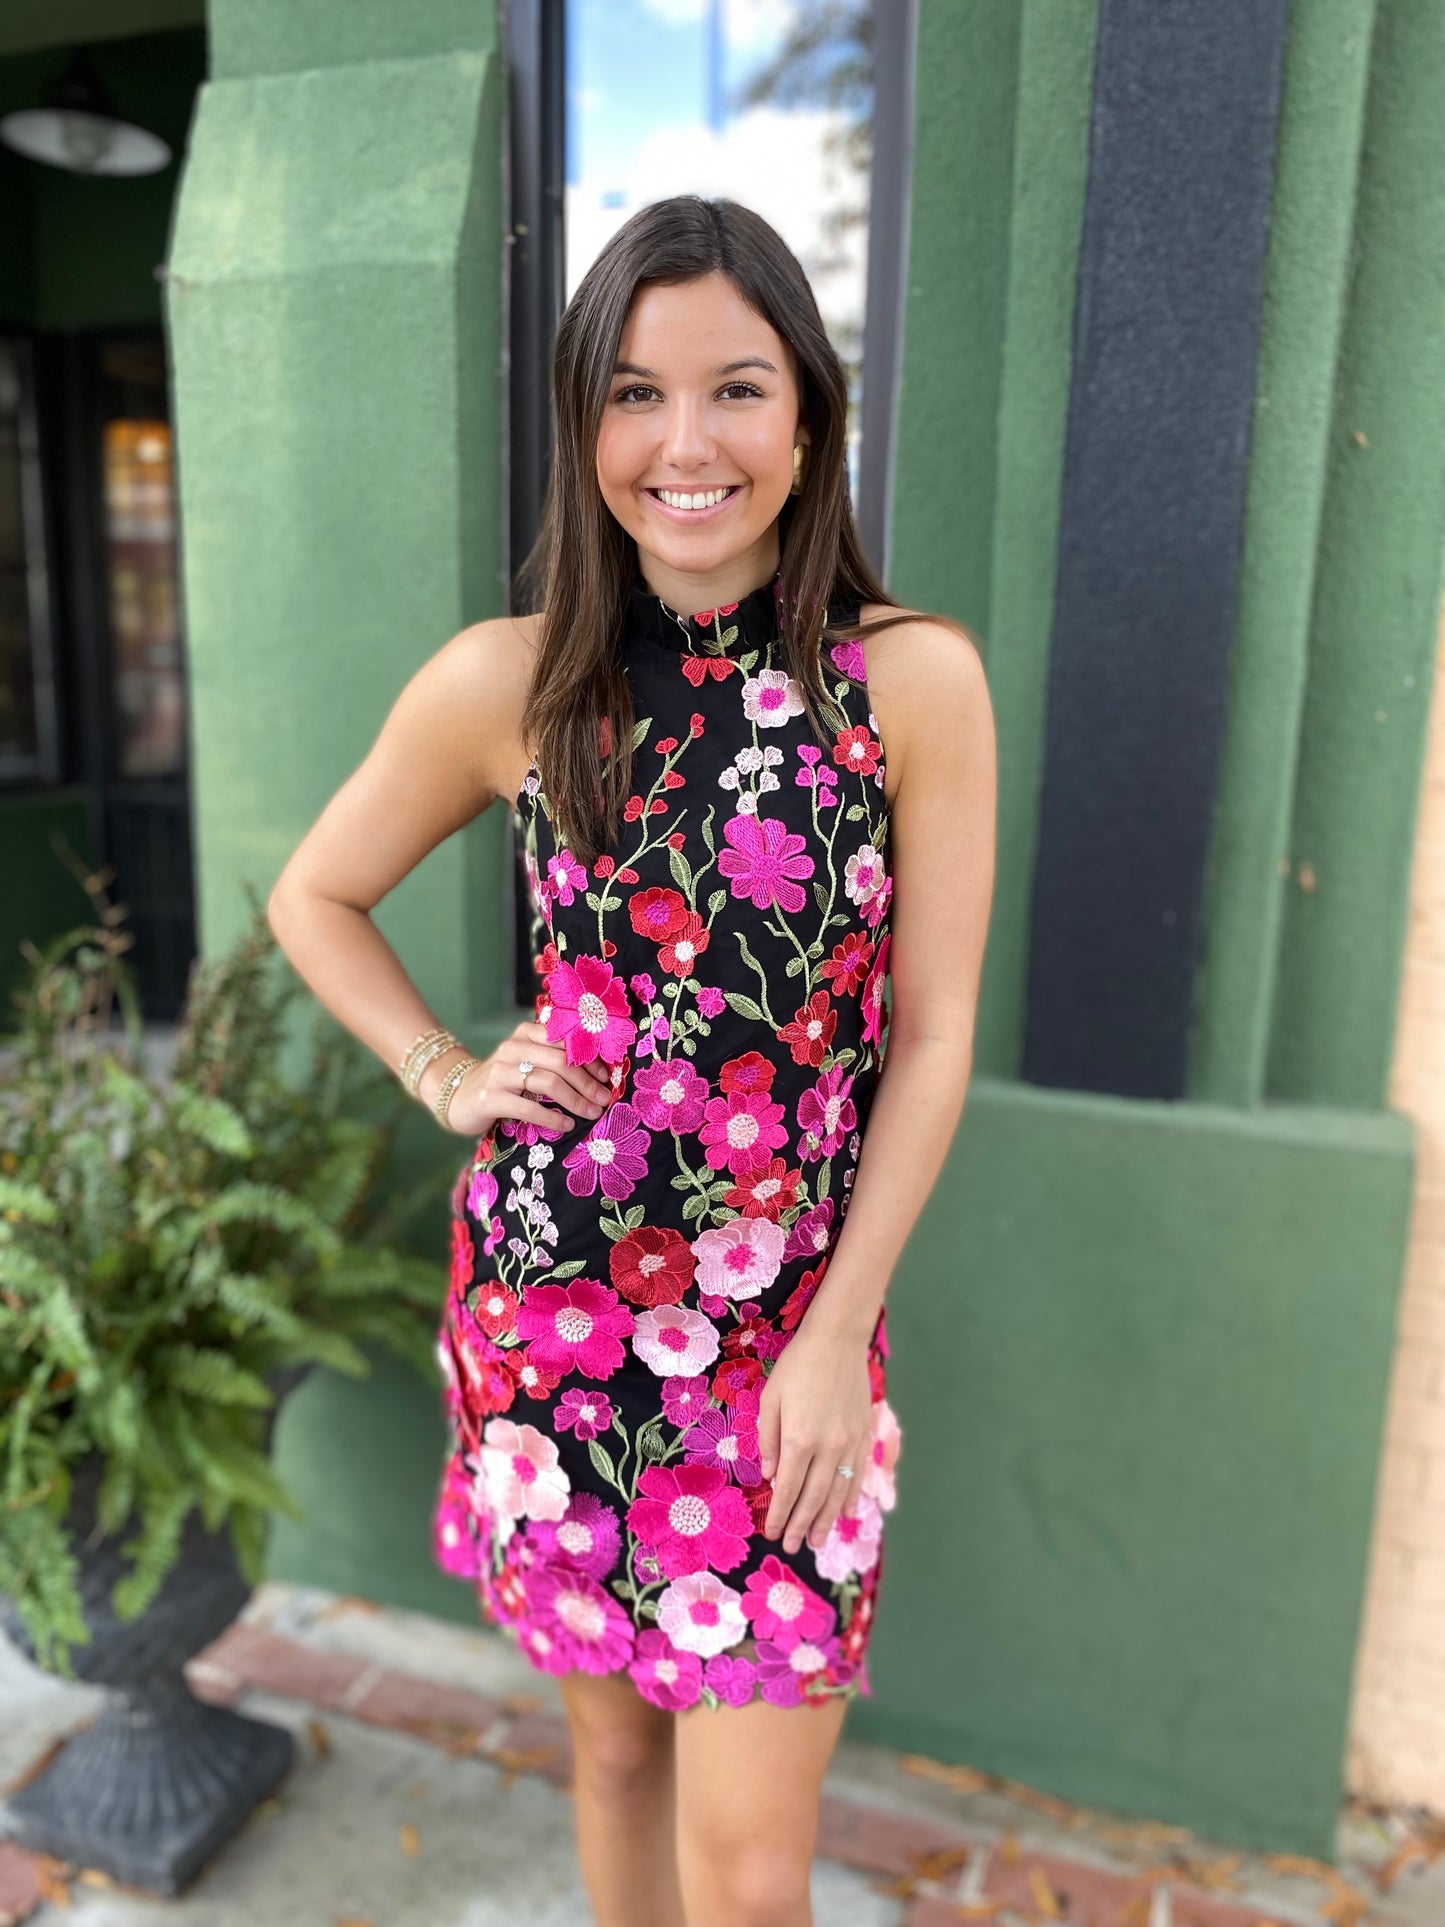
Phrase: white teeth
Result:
[676,501]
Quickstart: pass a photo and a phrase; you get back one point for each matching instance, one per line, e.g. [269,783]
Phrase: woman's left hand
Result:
[816,1413]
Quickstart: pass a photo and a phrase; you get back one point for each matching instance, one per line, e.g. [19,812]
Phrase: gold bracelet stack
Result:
[430,1045]
[449,1084]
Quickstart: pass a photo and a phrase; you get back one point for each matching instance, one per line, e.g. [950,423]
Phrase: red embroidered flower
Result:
[856,749]
[807,1289]
[767,1192]
[750,1072]
[658,913]
[652,1265]
[734,1377]
[464,1255]
[811,1031]
[848,964]
[681,951]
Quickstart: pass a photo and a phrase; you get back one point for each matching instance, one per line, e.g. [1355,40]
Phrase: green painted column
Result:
[334,303]
[1335,635]
[999,168]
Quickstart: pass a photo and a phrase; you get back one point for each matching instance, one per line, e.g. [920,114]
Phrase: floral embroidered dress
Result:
[621,1288]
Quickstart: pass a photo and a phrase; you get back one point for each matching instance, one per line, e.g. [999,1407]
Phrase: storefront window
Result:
[769,102]
[27,696]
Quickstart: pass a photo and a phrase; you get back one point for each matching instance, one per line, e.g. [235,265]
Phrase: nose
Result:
[687,440]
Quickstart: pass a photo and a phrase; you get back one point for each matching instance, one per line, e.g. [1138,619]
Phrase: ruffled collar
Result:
[725,630]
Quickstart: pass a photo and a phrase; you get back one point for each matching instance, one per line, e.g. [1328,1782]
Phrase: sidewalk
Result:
[431,1790]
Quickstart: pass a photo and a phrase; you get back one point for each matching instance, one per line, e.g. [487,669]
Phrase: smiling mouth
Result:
[684,506]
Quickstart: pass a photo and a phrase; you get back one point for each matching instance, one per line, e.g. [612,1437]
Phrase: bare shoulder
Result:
[928,687]
[480,681]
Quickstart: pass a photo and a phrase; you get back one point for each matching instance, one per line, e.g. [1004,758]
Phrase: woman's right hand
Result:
[493,1088]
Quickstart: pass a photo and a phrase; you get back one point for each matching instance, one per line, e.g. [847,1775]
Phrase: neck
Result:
[688,591]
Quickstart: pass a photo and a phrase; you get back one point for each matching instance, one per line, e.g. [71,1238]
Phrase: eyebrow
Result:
[728,367]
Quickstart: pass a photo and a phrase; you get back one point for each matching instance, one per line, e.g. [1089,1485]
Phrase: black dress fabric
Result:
[622,1287]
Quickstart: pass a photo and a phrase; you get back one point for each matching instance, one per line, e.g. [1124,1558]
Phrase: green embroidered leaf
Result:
[634,1217]
[681,871]
[593,901]
[820,897]
[744,1006]
[794,965]
[707,836]
[569,1270]
[639,730]
[648,1609]
[689,1046]
[842,1058]
[682,1183]
[716,901]
[694,1207]
[854,811]
[602,1461]
[703,1027]
[815,948]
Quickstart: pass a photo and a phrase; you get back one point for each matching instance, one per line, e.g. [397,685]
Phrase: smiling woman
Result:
[664,1349]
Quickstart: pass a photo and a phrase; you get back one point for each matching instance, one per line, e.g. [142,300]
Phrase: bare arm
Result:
[448,749]
[936,722]
[943,863]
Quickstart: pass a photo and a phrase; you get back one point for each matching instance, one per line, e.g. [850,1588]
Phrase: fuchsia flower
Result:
[826,1114]
[742,1131]
[691,1517]
[579,1623]
[588,1535]
[732,1677]
[765,859]
[578,1326]
[589,1012]
[782,1608]
[664,1674]
[669,1095]
[613,1155]
[683,1398]
[583,1412]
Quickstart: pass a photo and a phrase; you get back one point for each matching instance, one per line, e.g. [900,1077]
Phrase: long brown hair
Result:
[581,566]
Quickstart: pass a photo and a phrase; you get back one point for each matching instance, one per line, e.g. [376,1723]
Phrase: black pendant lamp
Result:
[77,128]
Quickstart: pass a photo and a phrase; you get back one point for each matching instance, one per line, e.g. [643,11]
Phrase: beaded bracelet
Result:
[449,1085]
[430,1045]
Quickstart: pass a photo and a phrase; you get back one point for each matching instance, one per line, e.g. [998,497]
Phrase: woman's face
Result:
[703,401]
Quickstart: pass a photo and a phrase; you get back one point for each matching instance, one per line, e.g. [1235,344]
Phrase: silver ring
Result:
[526,1067]
[845,1472]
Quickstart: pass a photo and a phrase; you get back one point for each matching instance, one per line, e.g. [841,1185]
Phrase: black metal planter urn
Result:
[161,1779]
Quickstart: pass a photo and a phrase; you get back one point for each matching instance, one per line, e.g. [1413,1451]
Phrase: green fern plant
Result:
[168,1246]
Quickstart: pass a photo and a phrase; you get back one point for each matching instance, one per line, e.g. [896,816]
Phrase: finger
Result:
[768,1433]
[858,1459]
[792,1469]
[817,1488]
[552,1059]
[563,1090]
[842,1497]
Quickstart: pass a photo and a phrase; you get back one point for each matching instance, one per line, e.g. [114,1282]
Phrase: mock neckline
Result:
[702,632]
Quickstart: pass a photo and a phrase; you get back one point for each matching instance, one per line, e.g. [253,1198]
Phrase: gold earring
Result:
[800,467]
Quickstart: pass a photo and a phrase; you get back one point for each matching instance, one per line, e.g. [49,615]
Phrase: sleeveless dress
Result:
[621,1287]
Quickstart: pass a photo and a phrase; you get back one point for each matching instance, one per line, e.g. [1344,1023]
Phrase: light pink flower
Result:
[853,1543]
[578,1326]
[739,1259]
[674,1340]
[771,698]
[588,1011]
[863,874]
[691,1517]
[702,1615]
[521,1473]
[883,1455]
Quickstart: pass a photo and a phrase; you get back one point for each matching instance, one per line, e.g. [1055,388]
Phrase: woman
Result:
[747,796]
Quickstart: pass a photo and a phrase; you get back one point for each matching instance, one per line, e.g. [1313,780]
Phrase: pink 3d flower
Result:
[765,860]
[878,1482]
[588,1535]
[691,1517]
[739,1259]
[586,1627]
[578,1327]
[521,1473]
[852,1544]
[612,1156]
[782,1608]
[662,1673]
[588,1011]
[742,1131]
[675,1341]
[701,1614]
